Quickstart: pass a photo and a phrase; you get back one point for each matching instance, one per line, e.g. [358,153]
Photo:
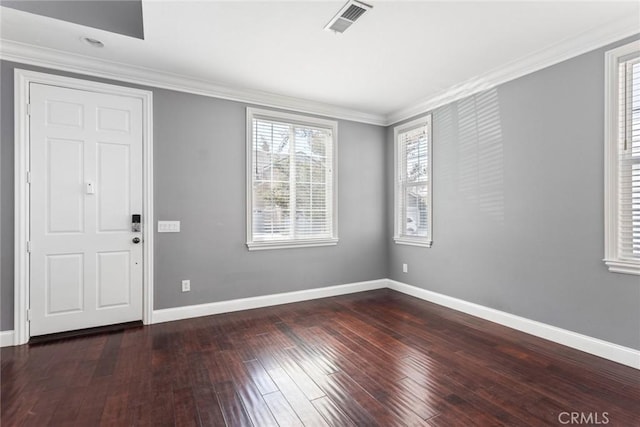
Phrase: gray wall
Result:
[117,16]
[518,205]
[199,177]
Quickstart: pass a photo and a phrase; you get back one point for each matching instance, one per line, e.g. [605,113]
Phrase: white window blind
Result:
[629,160]
[413,183]
[291,175]
[622,159]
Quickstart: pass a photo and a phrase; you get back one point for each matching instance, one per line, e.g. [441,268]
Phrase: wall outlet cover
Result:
[168,226]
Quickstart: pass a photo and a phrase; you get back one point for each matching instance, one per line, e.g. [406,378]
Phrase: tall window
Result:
[622,159]
[291,180]
[413,221]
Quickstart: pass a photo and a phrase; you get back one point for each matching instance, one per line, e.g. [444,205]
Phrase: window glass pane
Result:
[416,199]
[319,196]
[634,140]
[318,171]
[416,152]
[292,181]
[303,169]
[303,196]
[270,207]
[412,212]
[635,208]
[629,161]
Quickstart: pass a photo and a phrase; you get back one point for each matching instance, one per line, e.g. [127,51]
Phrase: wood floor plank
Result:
[260,377]
[375,380]
[294,395]
[366,359]
[207,406]
[231,404]
[282,410]
[332,414]
[252,399]
[185,407]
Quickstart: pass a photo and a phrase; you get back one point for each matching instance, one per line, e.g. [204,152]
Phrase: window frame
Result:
[294,119]
[612,256]
[398,190]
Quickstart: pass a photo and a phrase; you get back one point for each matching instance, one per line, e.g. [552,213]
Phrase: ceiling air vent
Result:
[349,13]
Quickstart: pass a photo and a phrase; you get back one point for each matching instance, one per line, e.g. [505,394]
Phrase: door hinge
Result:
[29,315]
[29,246]
[28,177]
[28,109]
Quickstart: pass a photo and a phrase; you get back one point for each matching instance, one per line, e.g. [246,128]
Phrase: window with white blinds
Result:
[413,199]
[622,163]
[291,180]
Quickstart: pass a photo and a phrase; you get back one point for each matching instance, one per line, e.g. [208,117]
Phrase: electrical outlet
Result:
[186,285]
[405,268]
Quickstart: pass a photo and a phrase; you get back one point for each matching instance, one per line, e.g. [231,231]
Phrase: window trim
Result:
[422,241]
[612,257]
[292,118]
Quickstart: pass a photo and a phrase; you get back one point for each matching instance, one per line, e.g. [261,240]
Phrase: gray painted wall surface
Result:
[199,174]
[117,16]
[518,205]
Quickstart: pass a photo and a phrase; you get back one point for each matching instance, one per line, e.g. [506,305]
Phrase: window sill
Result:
[279,244]
[413,242]
[626,267]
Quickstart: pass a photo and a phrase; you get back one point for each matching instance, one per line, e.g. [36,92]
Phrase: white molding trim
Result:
[607,350]
[331,202]
[7,338]
[612,258]
[74,63]
[561,51]
[399,173]
[187,312]
[268,245]
[22,80]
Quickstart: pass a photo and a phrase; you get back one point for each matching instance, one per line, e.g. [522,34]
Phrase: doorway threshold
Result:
[108,329]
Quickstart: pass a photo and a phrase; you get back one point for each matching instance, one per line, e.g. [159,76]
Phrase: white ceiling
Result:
[398,54]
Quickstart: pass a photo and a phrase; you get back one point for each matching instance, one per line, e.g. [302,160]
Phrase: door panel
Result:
[114,187]
[114,279]
[64,114]
[110,119]
[86,182]
[65,175]
[64,283]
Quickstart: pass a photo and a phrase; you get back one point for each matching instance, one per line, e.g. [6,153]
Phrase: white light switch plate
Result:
[168,226]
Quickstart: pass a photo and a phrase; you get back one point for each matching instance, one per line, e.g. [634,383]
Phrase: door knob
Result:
[136,240]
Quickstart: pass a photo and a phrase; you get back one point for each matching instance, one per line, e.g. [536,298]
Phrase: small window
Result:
[413,206]
[291,180]
[622,159]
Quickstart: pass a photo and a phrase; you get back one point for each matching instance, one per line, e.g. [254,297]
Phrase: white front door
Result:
[86,183]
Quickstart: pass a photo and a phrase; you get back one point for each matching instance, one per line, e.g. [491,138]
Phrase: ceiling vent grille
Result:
[349,13]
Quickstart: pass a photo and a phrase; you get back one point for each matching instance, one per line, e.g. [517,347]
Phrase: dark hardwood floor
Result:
[374,358]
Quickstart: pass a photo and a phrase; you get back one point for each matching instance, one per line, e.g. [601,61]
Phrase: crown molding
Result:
[64,61]
[565,49]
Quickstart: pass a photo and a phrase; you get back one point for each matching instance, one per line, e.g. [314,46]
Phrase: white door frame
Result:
[22,80]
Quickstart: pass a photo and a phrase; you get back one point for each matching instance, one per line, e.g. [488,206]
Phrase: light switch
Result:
[168,226]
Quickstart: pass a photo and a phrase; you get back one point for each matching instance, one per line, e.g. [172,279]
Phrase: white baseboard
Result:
[617,353]
[607,350]
[6,338]
[187,312]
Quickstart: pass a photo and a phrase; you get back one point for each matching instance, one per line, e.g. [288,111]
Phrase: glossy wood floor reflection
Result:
[374,358]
